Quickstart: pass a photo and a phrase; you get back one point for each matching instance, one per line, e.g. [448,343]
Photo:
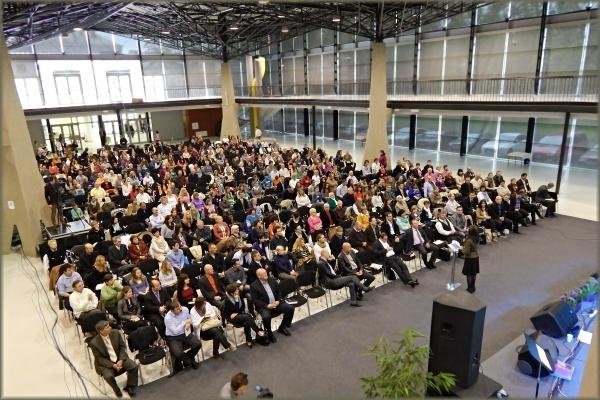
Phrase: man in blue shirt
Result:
[178,332]
[176,256]
[64,285]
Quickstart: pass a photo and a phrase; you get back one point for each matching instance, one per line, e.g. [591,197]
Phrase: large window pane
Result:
[125,45]
[101,42]
[513,132]
[314,39]
[328,64]
[346,125]
[521,55]
[585,143]
[49,46]
[494,12]
[149,48]
[289,121]
[562,57]
[450,135]
[565,6]
[525,9]
[83,68]
[174,79]
[328,123]
[103,68]
[362,125]
[427,132]
[363,65]
[401,127]
[457,58]
[592,53]
[75,43]
[482,136]
[547,140]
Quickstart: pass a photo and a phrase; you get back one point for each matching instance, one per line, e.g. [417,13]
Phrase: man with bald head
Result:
[269,303]
[86,260]
[349,264]
[331,280]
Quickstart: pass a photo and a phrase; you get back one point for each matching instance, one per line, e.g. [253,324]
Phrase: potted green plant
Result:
[402,369]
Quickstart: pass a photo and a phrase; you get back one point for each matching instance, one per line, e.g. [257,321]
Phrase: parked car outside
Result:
[548,148]
[508,142]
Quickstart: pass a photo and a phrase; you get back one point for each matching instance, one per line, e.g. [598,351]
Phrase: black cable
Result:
[52,331]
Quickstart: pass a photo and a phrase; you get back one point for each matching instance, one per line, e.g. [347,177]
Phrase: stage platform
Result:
[502,366]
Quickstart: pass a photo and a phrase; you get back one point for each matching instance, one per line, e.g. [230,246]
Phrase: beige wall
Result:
[21,182]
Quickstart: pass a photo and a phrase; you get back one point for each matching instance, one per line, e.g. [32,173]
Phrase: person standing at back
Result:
[471,264]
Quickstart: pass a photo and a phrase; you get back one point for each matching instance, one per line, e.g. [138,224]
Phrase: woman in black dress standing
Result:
[471,265]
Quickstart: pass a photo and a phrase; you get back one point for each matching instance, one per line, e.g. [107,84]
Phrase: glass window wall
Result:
[428,127]
[450,133]
[482,136]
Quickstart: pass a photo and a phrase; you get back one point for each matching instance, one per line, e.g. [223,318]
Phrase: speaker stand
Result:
[452,285]
[484,388]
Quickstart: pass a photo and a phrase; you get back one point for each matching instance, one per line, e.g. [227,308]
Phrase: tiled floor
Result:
[578,192]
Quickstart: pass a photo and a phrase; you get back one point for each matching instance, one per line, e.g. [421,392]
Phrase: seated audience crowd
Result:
[189,237]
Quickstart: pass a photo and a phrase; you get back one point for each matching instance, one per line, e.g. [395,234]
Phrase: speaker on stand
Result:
[455,342]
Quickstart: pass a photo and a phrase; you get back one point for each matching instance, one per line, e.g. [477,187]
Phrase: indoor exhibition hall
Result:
[300,200]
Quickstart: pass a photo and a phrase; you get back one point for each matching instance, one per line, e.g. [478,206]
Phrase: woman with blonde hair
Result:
[96,276]
[159,246]
[301,254]
[184,196]
[167,276]
[132,208]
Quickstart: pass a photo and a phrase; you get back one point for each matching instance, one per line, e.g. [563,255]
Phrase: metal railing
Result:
[554,88]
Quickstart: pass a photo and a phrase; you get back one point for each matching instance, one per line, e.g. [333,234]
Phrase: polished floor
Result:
[578,192]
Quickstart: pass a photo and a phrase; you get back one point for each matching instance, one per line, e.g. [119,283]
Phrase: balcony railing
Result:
[555,88]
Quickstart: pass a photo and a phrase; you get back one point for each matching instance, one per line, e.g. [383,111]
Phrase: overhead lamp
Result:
[166,32]
[233,28]
[77,29]
[263,2]
[285,30]
[281,16]
[336,19]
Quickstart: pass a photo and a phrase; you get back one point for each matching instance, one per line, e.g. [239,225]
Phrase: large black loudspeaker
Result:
[555,319]
[456,336]
[527,364]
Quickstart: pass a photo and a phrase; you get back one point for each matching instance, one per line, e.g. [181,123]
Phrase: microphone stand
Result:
[537,385]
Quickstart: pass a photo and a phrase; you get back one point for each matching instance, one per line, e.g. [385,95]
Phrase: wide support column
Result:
[230,125]
[379,114]
[23,201]
[255,67]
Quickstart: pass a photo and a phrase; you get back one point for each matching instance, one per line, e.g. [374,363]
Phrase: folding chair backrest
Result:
[287,287]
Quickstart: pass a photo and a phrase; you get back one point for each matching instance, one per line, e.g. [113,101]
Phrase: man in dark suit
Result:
[389,226]
[155,305]
[384,254]
[268,302]
[86,261]
[358,240]
[466,187]
[498,212]
[216,259]
[416,238]
[543,196]
[523,183]
[372,231]
[331,280]
[212,287]
[111,359]
[118,257]
[349,264]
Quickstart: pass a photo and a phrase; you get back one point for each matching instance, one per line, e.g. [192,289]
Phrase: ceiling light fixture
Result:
[263,2]
[77,29]
[285,30]
[233,28]
[281,16]
[336,19]
[166,32]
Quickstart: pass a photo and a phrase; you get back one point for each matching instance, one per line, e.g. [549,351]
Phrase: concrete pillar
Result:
[255,73]
[379,114]
[230,125]
[23,201]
